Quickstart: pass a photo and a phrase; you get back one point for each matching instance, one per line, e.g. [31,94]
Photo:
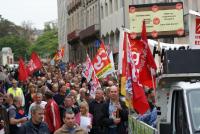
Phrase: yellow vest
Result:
[17,92]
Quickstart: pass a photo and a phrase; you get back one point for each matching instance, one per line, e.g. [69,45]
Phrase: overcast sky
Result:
[35,11]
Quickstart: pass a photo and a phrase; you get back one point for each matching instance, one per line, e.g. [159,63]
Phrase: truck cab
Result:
[178,99]
[177,95]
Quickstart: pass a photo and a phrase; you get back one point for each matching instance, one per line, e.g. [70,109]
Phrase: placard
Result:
[162,19]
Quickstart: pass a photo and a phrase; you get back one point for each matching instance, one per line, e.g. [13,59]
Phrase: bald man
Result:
[115,113]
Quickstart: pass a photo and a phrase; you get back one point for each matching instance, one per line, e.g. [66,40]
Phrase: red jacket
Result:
[52,115]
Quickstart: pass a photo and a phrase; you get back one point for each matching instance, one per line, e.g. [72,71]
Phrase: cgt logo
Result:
[197,26]
[101,57]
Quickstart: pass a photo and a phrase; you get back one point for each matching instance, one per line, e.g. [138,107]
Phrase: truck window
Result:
[179,115]
[194,108]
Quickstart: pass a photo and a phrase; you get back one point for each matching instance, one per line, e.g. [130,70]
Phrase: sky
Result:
[37,12]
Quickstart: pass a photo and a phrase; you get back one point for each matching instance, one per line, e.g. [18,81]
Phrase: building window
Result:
[110,7]
[8,59]
[96,14]
[117,39]
[111,41]
[116,5]
[87,19]
[106,9]
[77,20]
[198,5]
[185,6]
[106,40]
[82,20]
[195,5]
[68,24]
[121,3]
[102,12]
[93,18]
[90,23]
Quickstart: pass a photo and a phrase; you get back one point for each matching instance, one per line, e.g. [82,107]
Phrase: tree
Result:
[27,30]
[46,44]
[18,45]
[11,36]
[7,27]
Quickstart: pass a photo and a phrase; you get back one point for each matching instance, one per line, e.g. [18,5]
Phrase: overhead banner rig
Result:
[162,19]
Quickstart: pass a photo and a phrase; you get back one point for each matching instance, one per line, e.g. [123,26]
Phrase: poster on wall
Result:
[162,19]
[197,32]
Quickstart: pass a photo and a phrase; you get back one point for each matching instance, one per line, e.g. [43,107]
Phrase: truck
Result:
[177,96]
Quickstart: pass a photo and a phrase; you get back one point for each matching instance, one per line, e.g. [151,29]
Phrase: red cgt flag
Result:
[23,75]
[34,63]
[140,102]
[101,63]
[149,69]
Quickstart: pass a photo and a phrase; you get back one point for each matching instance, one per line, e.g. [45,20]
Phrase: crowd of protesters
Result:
[57,100]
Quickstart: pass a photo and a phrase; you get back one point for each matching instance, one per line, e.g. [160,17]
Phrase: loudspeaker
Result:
[181,61]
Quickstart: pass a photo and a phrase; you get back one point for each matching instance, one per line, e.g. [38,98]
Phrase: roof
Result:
[6,50]
[188,85]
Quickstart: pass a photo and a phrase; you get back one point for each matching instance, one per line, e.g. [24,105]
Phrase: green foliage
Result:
[10,36]
[7,27]
[18,45]
[46,44]
[18,38]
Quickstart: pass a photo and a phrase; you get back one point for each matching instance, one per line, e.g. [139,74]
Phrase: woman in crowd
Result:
[84,112]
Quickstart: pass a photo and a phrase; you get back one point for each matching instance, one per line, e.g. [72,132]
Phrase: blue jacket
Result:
[149,117]
[29,128]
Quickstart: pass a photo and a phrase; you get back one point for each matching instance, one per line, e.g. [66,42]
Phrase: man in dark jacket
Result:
[95,108]
[115,113]
[59,97]
[4,122]
[68,106]
[36,124]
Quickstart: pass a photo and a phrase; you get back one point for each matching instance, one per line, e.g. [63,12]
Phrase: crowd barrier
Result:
[139,127]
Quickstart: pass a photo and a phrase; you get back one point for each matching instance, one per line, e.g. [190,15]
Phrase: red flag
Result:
[88,69]
[62,52]
[34,63]
[124,67]
[59,54]
[140,102]
[149,64]
[94,83]
[23,75]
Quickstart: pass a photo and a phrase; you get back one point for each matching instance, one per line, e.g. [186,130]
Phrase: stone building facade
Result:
[91,20]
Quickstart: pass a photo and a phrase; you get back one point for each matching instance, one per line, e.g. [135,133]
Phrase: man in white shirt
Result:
[38,101]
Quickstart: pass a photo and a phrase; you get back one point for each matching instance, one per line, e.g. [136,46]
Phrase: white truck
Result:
[178,98]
